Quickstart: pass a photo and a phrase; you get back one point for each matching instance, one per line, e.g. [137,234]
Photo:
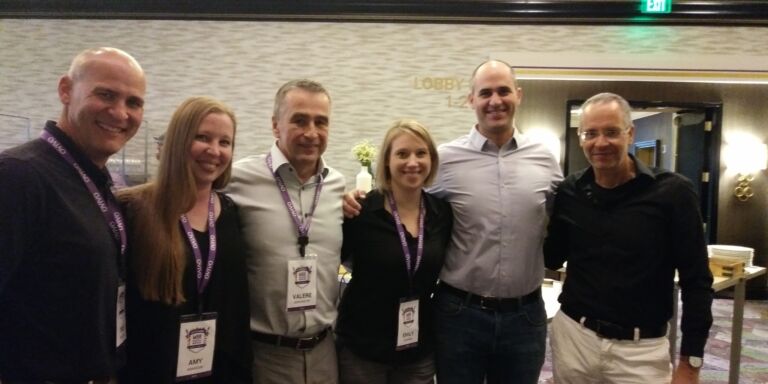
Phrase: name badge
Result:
[120,330]
[302,284]
[197,340]
[407,324]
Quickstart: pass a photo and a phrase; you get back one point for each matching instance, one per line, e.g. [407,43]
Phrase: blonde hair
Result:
[607,98]
[158,254]
[400,127]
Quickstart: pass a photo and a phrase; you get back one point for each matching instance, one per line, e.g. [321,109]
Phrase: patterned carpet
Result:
[754,353]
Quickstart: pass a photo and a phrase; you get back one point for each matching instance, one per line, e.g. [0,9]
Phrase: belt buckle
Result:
[610,330]
[305,344]
[600,326]
[487,303]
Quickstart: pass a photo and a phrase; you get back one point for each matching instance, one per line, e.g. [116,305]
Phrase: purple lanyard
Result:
[108,206]
[203,279]
[404,242]
[301,228]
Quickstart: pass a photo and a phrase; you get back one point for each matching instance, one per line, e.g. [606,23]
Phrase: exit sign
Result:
[656,6]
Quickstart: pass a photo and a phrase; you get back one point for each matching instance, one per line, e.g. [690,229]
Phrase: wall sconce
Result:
[745,155]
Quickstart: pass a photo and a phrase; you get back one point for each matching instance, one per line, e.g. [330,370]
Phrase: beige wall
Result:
[378,72]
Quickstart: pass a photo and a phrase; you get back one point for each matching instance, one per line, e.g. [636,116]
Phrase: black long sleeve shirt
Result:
[153,327]
[59,267]
[623,246]
[367,322]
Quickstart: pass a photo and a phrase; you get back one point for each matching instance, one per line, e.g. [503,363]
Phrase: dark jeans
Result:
[475,344]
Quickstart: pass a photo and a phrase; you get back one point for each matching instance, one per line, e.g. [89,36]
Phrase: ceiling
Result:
[684,12]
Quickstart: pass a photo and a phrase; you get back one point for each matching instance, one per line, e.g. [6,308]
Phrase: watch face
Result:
[695,361]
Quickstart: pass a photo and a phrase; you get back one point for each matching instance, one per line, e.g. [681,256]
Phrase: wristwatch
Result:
[694,361]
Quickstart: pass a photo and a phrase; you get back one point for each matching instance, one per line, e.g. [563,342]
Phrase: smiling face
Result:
[495,98]
[409,163]
[301,129]
[103,102]
[211,151]
[606,137]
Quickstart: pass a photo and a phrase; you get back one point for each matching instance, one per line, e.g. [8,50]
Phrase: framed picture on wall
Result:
[648,152]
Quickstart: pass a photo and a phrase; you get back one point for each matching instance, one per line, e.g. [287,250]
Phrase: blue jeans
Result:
[475,344]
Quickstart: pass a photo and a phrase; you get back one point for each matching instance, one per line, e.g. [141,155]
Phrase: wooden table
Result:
[719,284]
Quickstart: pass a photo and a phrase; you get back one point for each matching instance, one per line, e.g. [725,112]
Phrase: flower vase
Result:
[364,180]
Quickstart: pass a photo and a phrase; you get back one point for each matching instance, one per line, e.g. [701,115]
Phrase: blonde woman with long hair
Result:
[187,301]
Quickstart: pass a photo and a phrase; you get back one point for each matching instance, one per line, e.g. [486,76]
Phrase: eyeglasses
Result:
[593,134]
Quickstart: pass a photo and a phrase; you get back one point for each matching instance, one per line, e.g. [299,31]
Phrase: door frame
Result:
[708,191]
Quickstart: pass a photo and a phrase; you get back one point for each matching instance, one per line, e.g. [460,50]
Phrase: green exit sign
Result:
[656,6]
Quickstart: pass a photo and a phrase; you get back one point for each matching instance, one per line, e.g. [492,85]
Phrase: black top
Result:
[153,327]
[367,322]
[58,267]
[623,246]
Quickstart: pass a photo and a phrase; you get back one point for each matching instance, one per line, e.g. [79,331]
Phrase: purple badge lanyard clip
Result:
[301,228]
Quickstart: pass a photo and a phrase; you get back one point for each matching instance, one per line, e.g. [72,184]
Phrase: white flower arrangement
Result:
[364,152]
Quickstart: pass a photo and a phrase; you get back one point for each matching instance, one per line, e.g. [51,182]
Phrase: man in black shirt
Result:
[62,238]
[624,230]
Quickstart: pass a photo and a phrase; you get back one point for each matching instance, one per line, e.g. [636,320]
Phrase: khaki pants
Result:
[274,364]
[579,356]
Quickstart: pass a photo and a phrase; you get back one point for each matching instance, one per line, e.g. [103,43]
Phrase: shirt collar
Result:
[477,141]
[100,175]
[587,175]
[376,201]
[642,169]
[279,160]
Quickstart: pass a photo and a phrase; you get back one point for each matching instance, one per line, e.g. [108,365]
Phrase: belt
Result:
[302,343]
[496,304]
[608,330]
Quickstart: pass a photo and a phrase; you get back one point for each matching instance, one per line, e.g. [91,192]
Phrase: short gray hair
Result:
[607,98]
[310,86]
